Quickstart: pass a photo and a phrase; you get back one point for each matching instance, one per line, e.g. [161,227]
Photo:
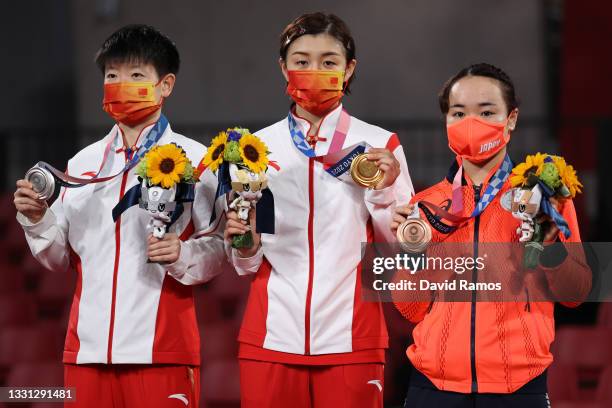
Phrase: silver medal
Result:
[43,182]
[506,200]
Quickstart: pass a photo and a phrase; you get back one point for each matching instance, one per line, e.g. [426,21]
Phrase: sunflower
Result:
[533,164]
[214,154]
[568,176]
[166,165]
[254,153]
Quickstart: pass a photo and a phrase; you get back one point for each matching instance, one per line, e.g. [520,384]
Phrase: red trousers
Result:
[271,385]
[133,385]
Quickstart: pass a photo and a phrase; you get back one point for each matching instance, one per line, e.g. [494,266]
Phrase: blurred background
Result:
[557,52]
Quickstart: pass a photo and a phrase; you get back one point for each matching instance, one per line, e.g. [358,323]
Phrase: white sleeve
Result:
[381,203]
[245,266]
[48,238]
[202,255]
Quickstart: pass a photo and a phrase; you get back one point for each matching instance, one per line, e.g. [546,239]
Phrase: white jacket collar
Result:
[115,137]
[327,128]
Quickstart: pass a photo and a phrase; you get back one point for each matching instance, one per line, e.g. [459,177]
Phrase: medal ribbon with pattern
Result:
[434,213]
[150,140]
[337,161]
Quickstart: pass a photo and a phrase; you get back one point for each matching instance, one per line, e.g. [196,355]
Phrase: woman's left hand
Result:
[165,250]
[386,161]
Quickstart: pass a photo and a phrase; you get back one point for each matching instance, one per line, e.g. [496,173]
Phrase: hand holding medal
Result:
[29,201]
[377,168]
[413,233]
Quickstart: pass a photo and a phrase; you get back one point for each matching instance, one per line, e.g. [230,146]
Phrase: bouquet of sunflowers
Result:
[540,184]
[240,160]
[167,179]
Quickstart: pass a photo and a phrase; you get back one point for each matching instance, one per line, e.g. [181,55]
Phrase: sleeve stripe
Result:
[393,142]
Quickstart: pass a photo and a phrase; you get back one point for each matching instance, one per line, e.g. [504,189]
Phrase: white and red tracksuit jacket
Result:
[126,310]
[305,303]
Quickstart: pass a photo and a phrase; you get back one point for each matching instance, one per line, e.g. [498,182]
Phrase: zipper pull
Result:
[528,304]
[476,193]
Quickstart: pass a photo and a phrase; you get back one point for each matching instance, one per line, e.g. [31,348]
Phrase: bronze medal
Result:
[414,235]
[365,172]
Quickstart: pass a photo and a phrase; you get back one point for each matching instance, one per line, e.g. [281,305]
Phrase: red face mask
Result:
[315,91]
[130,102]
[477,140]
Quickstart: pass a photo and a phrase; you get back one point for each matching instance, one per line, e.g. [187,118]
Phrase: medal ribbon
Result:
[337,161]
[150,140]
[300,141]
[493,188]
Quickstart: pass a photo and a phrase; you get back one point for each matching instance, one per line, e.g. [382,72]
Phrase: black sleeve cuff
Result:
[553,255]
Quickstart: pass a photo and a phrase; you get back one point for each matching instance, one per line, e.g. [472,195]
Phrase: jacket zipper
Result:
[431,303]
[310,255]
[528,304]
[473,305]
[115,273]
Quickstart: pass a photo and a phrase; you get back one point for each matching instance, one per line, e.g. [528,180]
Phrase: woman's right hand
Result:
[400,215]
[27,202]
[236,226]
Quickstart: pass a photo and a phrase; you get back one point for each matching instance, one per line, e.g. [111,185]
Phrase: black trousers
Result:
[423,394]
[429,398]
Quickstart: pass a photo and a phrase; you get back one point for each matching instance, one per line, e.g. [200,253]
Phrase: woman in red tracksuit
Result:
[489,354]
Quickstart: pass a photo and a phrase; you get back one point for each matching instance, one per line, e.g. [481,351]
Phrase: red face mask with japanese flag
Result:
[315,91]
[476,139]
[131,102]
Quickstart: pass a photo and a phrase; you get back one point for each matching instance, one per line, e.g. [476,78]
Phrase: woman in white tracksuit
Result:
[307,338]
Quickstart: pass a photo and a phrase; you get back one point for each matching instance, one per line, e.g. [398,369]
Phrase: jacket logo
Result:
[446,204]
[180,397]
[377,384]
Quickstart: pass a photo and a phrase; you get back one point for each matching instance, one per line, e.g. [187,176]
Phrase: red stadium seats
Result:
[55,290]
[37,375]
[581,354]
[221,384]
[230,285]
[32,268]
[17,310]
[218,342]
[604,316]
[57,286]
[39,343]
[207,306]
[578,404]
[604,388]
[11,278]
[588,347]
[562,383]
[14,238]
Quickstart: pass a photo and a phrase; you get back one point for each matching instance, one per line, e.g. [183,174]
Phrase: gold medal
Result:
[365,172]
[414,235]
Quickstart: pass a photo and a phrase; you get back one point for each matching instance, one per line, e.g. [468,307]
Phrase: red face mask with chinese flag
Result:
[315,91]
[130,102]
[476,139]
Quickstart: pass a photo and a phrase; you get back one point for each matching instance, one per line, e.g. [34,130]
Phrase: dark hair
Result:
[142,43]
[319,23]
[484,70]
